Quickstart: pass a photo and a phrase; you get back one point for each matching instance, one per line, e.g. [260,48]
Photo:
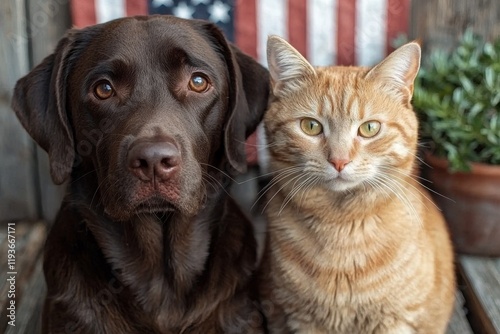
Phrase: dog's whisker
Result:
[261,146]
[97,189]
[208,180]
[83,175]
[219,170]
[220,184]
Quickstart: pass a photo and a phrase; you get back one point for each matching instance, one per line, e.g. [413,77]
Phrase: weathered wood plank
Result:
[458,323]
[438,23]
[48,21]
[481,288]
[17,164]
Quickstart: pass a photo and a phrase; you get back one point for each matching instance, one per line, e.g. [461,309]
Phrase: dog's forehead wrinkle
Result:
[182,58]
[169,49]
[165,33]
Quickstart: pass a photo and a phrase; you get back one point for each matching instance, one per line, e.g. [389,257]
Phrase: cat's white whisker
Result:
[395,188]
[244,181]
[423,195]
[290,193]
[260,176]
[424,145]
[281,176]
[286,172]
[419,158]
[295,190]
[400,194]
[281,188]
[267,174]
[308,188]
[420,183]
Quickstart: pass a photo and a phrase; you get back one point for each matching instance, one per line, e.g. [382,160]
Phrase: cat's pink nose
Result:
[339,164]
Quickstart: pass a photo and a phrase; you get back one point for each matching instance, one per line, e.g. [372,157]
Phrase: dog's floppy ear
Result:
[252,94]
[40,104]
[249,91]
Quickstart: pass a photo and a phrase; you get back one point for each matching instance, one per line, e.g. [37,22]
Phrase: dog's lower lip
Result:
[154,205]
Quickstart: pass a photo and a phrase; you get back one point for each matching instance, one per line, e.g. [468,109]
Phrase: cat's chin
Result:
[340,185]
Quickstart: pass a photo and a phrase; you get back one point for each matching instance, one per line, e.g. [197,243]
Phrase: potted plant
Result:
[457,98]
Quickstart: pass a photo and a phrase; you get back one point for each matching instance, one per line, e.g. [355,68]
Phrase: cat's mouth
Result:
[342,176]
[341,182]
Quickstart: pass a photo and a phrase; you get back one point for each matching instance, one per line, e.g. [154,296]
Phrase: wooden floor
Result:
[477,305]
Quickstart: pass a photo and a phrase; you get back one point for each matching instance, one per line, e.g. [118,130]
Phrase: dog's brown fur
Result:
[132,255]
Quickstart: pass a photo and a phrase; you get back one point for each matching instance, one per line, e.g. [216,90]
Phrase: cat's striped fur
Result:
[359,248]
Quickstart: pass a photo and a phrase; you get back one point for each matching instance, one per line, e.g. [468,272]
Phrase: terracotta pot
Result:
[474,214]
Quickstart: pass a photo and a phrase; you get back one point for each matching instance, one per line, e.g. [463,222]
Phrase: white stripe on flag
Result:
[322,32]
[107,10]
[272,18]
[371,16]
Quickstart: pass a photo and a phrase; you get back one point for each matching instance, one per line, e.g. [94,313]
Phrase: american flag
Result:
[326,32]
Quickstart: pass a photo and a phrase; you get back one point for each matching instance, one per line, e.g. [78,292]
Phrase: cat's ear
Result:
[397,72]
[287,67]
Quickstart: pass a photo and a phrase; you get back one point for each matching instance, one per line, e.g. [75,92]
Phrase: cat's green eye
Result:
[369,129]
[311,127]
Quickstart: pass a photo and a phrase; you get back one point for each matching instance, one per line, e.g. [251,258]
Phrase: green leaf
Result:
[494,122]
[489,50]
[495,99]
[458,95]
[457,99]
[466,83]
[489,76]
[475,110]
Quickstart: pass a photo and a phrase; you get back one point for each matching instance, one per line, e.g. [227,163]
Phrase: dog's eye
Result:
[198,83]
[103,90]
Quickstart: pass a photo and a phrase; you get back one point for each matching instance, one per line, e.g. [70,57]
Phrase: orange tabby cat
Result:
[355,244]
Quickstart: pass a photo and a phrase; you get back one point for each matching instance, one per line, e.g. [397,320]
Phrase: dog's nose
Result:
[154,159]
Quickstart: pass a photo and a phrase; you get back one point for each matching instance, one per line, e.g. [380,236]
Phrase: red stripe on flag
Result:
[245,18]
[398,13]
[83,13]
[346,31]
[297,25]
[136,7]
[245,29]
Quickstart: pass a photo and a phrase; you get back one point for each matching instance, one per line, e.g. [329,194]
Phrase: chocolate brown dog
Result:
[142,114]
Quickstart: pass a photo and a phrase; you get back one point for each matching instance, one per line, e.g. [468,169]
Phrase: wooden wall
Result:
[439,23]
[29,31]
[18,192]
